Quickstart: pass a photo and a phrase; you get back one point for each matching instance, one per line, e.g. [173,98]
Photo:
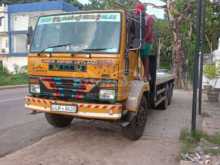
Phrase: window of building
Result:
[19,43]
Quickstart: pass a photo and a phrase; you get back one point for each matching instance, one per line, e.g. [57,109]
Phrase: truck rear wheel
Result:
[170,94]
[59,121]
[135,129]
[164,104]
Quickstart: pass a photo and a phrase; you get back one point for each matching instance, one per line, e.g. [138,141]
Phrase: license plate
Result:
[64,108]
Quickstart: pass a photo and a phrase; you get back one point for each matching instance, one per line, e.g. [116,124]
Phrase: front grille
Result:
[70,88]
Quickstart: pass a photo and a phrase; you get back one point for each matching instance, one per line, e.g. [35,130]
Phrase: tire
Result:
[135,129]
[164,104]
[59,121]
[170,95]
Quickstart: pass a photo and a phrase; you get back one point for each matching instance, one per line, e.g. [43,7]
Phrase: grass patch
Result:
[13,79]
[214,139]
[189,142]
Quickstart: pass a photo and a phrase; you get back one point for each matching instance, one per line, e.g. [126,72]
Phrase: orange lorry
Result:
[86,65]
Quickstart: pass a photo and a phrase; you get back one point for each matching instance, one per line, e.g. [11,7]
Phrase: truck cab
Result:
[87,65]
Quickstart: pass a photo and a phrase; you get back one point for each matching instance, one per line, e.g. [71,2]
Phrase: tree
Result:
[75,3]
[109,4]
[212,32]
[94,5]
[181,16]
[178,12]
[164,49]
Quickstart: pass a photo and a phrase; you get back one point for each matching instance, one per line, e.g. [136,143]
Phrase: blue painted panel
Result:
[41,6]
[22,54]
[19,32]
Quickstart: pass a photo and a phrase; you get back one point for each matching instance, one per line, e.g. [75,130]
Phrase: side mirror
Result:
[29,35]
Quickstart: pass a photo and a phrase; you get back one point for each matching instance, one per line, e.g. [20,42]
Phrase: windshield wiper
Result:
[54,46]
[67,44]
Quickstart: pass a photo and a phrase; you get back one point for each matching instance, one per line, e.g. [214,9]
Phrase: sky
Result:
[159,13]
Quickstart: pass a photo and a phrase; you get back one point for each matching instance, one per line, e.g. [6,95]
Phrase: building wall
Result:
[20,22]
[11,62]
[3,30]
[4,44]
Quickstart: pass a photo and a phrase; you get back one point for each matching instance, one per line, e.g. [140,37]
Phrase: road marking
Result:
[12,99]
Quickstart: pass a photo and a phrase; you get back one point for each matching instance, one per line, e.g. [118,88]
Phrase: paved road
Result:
[96,142]
[18,128]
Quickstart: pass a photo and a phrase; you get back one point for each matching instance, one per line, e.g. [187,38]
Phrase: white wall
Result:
[4,44]
[10,62]
[19,22]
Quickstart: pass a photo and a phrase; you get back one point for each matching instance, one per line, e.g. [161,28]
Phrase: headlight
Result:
[35,88]
[107,95]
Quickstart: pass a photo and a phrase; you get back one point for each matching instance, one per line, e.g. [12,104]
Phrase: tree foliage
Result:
[186,27]
[75,3]
[188,32]
[212,24]
[109,4]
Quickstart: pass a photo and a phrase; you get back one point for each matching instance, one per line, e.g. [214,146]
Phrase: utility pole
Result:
[198,64]
[202,35]
[196,69]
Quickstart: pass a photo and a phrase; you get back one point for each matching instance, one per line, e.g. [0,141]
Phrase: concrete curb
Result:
[13,86]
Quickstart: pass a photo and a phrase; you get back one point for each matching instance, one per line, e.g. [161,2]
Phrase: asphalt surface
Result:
[18,127]
[30,140]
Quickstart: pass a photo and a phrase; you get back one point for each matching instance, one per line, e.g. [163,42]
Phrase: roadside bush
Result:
[17,78]
[189,142]
[3,71]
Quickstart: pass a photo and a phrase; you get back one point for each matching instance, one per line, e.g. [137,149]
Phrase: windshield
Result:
[88,32]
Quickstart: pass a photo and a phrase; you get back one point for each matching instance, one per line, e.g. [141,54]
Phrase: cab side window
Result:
[133,32]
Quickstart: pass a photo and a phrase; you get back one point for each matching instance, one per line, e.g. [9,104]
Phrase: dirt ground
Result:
[101,143]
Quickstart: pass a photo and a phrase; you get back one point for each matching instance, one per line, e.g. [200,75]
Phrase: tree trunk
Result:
[179,64]
[179,59]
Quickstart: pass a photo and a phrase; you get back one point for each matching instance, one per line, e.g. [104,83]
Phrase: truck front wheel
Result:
[59,121]
[135,129]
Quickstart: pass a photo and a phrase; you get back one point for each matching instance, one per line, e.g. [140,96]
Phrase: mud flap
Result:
[137,89]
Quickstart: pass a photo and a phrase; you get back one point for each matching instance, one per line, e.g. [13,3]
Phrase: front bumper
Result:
[85,110]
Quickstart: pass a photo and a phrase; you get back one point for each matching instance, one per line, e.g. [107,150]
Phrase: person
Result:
[148,38]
